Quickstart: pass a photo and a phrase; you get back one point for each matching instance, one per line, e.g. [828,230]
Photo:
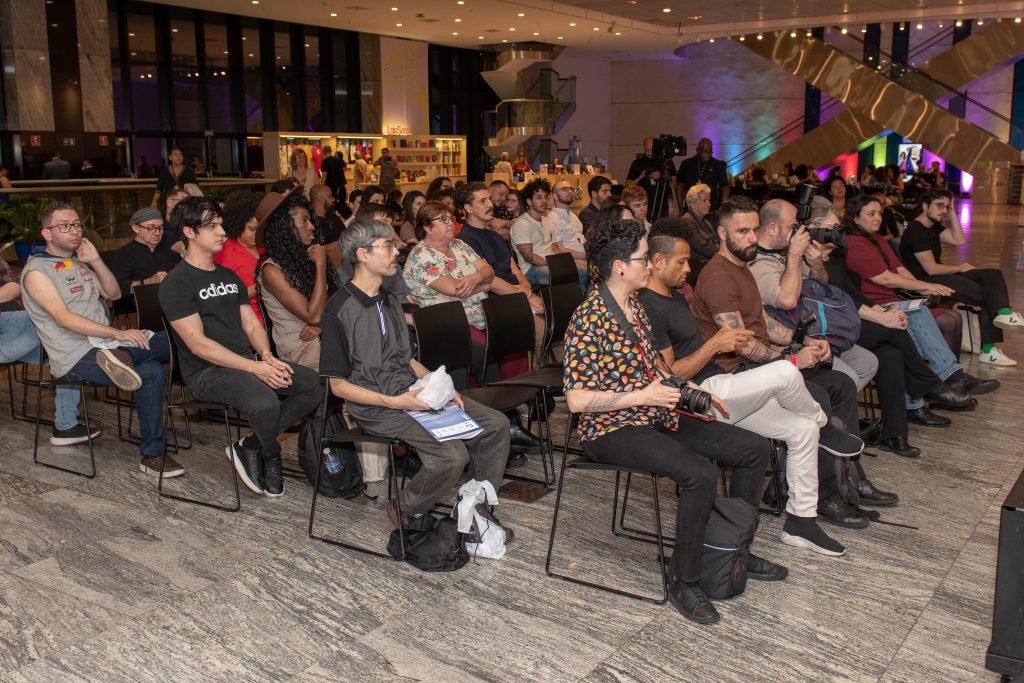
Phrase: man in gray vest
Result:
[64,289]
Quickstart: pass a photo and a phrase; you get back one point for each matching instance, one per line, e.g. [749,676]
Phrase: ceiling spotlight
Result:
[455,33]
[398,25]
[809,34]
[666,10]
[458,21]
[792,34]
[981,22]
[522,14]
[712,40]
[1017,20]
[863,29]
[479,37]
[903,26]
[511,28]
[844,31]
[174,30]
[255,2]
[596,28]
[940,24]
[461,2]
[760,36]
[573,23]
[394,9]
[334,14]
[561,38]
[743,39]
[618,33]
[535,33]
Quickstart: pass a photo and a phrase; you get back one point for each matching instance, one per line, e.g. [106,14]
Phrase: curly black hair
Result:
[613,241]
[289,253]
[239,209]
[531,188]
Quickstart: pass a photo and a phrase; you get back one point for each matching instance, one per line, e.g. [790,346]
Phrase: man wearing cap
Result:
[144,260]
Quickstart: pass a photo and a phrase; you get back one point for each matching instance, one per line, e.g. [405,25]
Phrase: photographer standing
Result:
[645,172]
[629,417]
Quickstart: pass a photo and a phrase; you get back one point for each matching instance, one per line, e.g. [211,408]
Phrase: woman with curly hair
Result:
[295,282]
[240,252]
[436,185]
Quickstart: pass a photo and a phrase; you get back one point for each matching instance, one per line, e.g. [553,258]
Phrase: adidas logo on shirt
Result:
[220,289]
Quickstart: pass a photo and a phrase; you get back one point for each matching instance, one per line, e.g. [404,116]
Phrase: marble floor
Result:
[101,580]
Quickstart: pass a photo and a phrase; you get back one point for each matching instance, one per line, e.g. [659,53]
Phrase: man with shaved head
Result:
[703,168]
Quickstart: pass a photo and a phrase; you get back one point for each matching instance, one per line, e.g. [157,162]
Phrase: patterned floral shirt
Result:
[600,356]
[425,264]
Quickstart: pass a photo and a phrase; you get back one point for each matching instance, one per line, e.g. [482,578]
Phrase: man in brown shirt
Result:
[727,296]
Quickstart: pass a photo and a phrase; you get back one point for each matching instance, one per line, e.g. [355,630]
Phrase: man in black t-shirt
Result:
[703,168]
[921,252]
[366,353]
[327,223]
[144,260]
[645,172]
[215,332]
[332,172]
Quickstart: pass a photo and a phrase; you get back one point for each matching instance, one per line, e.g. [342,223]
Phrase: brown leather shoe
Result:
[151,466]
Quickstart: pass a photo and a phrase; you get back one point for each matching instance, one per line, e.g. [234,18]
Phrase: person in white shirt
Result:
[564,225]
[531,237]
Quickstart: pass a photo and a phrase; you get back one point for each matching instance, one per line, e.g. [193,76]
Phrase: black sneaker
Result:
[840,444]
[69,437]
[760,569]
[691,602]
[516,458]
[247,464]
[804,532]
[119,366]
[273,481]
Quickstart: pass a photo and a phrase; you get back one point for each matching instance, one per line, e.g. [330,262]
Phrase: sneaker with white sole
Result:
[247,465]
[69,437]
[1013,321]
[804,532]
[997,357]
[118,365]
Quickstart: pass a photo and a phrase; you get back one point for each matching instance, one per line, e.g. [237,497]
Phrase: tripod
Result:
[661,191]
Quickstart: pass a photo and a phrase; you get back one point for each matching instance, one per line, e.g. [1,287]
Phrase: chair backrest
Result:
[147,307]
[563,269]
[442,336]
[559,304]
[510,327]
[174,369]
[268,324]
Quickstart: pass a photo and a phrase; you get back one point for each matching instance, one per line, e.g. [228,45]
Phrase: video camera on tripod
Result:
[664,147]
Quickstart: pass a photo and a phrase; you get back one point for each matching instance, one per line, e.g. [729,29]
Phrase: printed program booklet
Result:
[447,424]
[908,305]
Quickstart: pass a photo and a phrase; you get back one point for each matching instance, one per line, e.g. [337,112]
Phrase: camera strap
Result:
[629,330]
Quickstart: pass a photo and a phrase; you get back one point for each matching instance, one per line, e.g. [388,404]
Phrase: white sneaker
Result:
[997,357]
[1007,322]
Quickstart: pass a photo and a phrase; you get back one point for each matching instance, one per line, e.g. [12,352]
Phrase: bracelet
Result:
[792,359]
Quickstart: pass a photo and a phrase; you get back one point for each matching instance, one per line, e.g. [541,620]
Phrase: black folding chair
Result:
[186,405]
[562,269]
[353,436]
[57,382]
[584,464]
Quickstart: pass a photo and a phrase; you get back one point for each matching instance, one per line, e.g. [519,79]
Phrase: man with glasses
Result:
[216,332]
[144,260]
[921,252]
[366,352]
[565,226]
[64,292]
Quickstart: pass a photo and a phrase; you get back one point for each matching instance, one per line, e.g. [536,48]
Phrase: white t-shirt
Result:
[565,228]
[528,231]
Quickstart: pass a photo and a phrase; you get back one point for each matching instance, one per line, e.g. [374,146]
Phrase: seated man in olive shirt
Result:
[726,296]
[144,260]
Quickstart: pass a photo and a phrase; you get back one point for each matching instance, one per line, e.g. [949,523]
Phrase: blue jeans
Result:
[19,343]
[149,399]
[538,276]
[930,343]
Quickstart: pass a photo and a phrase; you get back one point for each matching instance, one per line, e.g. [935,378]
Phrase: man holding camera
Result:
[771,400]
[727,297]
[786,255]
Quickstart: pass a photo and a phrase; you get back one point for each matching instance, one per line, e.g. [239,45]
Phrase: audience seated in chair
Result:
[64,292]
[144,260]
[366,353]
[532,235]
[216,331]
[240,252]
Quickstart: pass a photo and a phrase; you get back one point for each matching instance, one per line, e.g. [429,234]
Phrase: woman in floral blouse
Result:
[441,268]
[627,416]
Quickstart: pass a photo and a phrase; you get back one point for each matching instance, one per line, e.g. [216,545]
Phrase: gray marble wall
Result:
[94,65]
[370,82]
[28,91]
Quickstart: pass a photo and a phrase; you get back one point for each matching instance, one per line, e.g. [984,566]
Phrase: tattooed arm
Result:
[590,401]
[777,332]
[754,350]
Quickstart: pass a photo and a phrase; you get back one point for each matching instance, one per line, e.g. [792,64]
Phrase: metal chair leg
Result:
[88,431]
[234,477]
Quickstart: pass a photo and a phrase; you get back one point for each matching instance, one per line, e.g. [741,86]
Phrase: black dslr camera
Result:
[804,194]
[667,146]
[693,402]
[800,333]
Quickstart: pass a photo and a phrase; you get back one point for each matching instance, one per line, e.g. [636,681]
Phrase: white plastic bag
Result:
[438,388]
[491,534]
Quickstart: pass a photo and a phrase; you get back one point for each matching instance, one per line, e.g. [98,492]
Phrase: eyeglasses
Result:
[386,245]
[67,227]
[152,228]
[447,218]
[646,258]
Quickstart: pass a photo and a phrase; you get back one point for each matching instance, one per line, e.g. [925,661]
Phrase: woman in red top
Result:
[240,252]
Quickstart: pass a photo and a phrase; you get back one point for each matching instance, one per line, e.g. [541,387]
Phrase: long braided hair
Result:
[289,253]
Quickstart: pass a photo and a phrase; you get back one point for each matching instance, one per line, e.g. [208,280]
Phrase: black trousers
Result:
[901,372]
[684,456]
[836,393]
[985,287]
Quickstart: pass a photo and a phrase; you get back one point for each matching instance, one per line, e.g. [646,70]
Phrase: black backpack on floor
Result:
[433,544]
[727,538]
[341,473]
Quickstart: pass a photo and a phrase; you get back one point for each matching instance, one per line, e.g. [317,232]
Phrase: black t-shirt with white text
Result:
[217,296]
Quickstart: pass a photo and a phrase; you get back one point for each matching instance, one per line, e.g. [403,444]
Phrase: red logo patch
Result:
[77,288]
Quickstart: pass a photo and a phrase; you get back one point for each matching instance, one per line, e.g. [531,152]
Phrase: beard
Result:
[746,255]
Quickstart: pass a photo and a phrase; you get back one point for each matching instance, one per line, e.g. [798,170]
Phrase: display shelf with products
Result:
[420,157]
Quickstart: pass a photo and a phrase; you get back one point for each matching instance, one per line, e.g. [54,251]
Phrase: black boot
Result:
[948,398]
[873,497]
[523,440]
[899,446]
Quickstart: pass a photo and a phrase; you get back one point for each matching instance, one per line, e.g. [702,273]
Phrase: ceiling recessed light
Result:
[792,34]
[455,33]
[981,22]
[334,14]
[225,51]
[458,21]
[511,28]
[479,37]
[1017,20]
[255,2]
[760,36]
[596,28]
[666,10]
[521,14]
[460,2]
[251,54]
[844,31]
[535,33]
[398,25]
[618,33]
[503,40]
[394,9]
[743,39]
[174,30]
[863,29]
[572,23]
[920,26]
[959,23]
[712,40]
[306,45]
[561,38]
[131,35]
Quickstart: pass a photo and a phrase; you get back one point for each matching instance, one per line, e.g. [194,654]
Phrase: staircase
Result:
[536,101]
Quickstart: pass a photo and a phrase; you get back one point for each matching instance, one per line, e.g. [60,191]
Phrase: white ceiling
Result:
[615,29]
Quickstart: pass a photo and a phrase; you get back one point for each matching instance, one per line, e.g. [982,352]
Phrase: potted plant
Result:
[19,223]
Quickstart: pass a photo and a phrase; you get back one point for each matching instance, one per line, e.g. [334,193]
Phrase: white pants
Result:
[773,401]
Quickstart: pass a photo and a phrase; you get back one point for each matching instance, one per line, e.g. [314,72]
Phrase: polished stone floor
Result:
[101,580]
